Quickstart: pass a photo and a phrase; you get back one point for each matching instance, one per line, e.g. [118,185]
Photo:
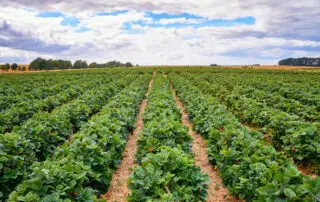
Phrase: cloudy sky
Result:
[150,32]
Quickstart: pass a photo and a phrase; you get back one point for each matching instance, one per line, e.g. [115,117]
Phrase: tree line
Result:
[14,67]
[43,64]
[301,62]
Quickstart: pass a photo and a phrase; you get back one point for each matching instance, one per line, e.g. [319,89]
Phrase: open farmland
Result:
[160,134]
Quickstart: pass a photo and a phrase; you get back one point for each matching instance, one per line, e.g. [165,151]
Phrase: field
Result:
[276,67]
[160,134]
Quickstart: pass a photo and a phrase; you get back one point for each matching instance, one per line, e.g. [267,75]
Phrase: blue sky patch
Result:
[129,30]
[67,20]
[83,29]
[202,23]
[70,21]
[114,13]
[160,16]
[50,15]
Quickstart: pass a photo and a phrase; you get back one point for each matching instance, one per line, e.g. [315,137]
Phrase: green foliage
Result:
[14,66]
[5,67]
[167,171]
[61,179]
[37,139]
[43,64]
[80,64]
[63,92]
[250,169]
[110,64]
[294,135]
[81,169]
[169,175]
[301,62]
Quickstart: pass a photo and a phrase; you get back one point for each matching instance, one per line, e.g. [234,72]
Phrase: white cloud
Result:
[282,28]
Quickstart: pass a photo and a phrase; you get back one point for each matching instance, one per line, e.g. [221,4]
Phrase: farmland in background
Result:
[63,134]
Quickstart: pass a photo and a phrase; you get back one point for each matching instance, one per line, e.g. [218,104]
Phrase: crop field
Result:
[160,134]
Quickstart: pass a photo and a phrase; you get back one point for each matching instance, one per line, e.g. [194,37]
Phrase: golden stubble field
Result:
[266,67]
[276,67]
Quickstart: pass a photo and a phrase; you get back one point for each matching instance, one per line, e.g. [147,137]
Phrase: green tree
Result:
[129,64]
[301,62]
[14,66]
[6,66]
[38,64]
[80,64]
[93,65]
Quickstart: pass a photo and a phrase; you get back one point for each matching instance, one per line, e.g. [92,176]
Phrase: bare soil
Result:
[118,190]
[309,170]
[216,192]
[265,67]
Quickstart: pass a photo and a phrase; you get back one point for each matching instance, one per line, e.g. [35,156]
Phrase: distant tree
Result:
[112,64]
[76,64]
[69,64]
[301,62]
[93,65]
[6,66]
[38,64]
[56,64]
[23,68]
[84,64]
[213,65]
[42,64]
[66,64]
[128,64]
[80,64]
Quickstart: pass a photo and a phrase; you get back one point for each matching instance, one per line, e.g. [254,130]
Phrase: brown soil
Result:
[262,67]
[308,170]
[118,190]
[274,67]
[216,192]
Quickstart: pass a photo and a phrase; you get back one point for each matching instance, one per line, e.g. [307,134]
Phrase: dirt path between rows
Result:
[216,192]
[118,190]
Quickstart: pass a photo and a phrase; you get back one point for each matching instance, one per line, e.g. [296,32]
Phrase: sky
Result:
[160,32]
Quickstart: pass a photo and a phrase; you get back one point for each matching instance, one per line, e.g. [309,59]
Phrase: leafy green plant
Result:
[290,133]
[167,171]
[81,169]
[250,168]
[168,175]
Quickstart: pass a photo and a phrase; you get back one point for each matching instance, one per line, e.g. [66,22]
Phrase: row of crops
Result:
[166,170]
[250,168]
[62,134]
[287,128]
[46,157]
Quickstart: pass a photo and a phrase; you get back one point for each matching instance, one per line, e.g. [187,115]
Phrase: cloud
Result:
[18,40]
[162,31]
